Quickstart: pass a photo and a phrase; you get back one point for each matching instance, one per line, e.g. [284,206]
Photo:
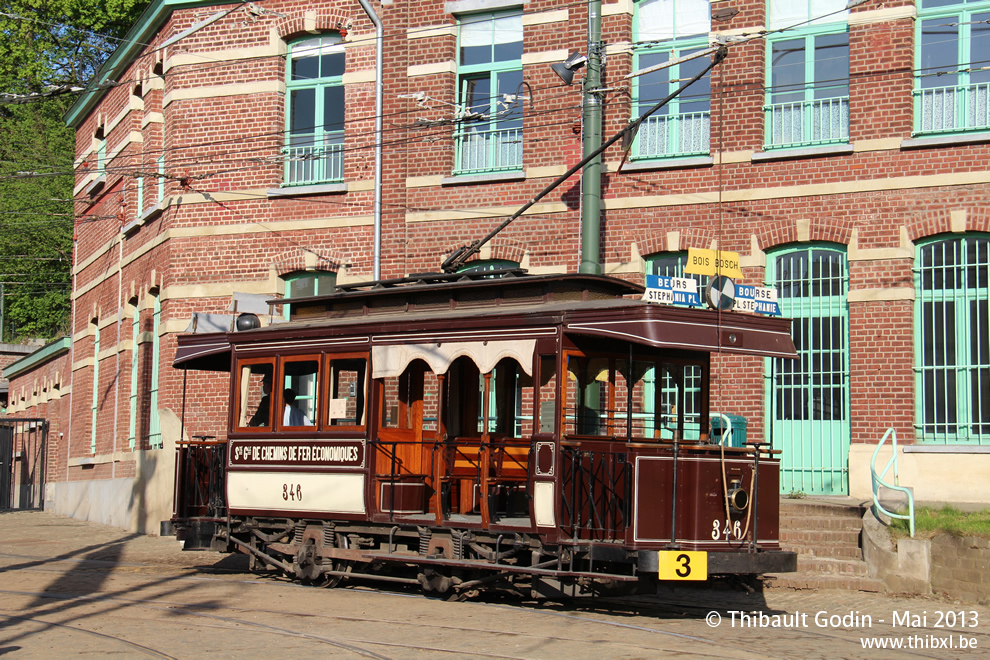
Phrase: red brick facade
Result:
[212,105]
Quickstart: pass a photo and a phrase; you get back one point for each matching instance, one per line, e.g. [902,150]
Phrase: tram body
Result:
[540,433]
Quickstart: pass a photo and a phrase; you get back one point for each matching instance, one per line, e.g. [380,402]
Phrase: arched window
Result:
[952,340]
[808,398]
[314,113]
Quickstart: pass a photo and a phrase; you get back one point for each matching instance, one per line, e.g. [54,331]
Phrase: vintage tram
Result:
[547,434]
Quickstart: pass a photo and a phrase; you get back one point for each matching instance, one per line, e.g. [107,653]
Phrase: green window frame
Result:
[952,340]
[154,419]
[303,284]
[101,153]
[800,13]
[96,388]
[672,264]
[952,52]
[489,135]
[314,112]
[665,30]
[807,101]
[133,400]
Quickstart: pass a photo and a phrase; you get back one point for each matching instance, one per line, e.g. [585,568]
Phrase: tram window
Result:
[347,388]
[299,392]
[510,396]
[587,410]
[648,400]
[679,395]
[400,397]
[254,407]
[548,393]
[643,412]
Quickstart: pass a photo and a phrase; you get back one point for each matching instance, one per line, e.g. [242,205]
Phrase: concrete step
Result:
[821,509]
[820,537]
[833,566]
[814,581]
[811,522]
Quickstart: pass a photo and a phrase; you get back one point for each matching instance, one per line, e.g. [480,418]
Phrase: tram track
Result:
[642,608]
[349,643]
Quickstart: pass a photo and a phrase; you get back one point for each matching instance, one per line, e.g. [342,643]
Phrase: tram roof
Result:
[450,308]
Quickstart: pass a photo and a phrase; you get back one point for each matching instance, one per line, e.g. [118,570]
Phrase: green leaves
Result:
[45,43]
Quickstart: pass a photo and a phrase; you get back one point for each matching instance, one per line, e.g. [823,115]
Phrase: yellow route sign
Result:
[712,262]
[678,565]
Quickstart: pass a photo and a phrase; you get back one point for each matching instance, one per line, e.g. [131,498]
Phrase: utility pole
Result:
[1,312]
[591,178]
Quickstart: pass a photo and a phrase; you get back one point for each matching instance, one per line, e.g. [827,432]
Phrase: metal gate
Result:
[808,398]
[23,463]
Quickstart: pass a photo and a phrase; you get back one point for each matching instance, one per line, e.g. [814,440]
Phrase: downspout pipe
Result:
[591,178]
[379,94]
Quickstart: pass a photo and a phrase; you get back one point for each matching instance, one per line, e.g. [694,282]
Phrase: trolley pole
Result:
[591,178]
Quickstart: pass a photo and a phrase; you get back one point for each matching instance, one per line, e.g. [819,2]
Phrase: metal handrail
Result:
[878,481]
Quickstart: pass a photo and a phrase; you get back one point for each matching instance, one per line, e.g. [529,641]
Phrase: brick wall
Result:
[213,104]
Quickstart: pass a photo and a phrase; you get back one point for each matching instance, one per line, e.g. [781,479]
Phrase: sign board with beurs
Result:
[671,290]
[713,262]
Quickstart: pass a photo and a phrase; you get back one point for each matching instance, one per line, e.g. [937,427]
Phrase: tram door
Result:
[407,433]
[808,398]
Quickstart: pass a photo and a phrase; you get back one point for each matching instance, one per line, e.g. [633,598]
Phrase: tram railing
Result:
[203,479]
[596,494]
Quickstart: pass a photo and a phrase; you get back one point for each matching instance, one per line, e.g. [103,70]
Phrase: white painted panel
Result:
[333,493]
[543,503]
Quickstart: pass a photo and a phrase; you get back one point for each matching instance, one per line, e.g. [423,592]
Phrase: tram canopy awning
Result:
[391,361]
[205,352]
[687,329]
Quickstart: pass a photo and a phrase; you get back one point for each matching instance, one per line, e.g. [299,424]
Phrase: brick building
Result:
[41,386]
[273,149]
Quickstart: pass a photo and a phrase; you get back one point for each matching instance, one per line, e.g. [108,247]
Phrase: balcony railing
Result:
[807,123]
[314,159]
[488,151]
[952,109]
[662,136]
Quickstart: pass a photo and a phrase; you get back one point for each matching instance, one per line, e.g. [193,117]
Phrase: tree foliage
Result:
[44,44]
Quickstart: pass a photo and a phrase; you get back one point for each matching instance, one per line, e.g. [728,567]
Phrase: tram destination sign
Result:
[671,290]
[297,453]
[759,299]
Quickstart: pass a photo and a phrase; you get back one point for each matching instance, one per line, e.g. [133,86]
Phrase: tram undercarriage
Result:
[456,564]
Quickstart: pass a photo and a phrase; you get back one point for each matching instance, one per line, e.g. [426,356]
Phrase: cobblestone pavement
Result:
[73,587]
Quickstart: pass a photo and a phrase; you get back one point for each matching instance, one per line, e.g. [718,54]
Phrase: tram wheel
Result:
[328,581]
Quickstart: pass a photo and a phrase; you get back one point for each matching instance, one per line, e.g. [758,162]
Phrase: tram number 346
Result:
[292,492]
[683,565]
[727,532]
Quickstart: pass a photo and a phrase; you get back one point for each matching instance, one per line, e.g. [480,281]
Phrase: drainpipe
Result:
[591,178]
[379,93]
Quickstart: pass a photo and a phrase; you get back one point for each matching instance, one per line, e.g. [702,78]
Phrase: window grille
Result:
[951,341]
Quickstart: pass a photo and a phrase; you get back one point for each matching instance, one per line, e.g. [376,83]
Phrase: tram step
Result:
[805,580]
